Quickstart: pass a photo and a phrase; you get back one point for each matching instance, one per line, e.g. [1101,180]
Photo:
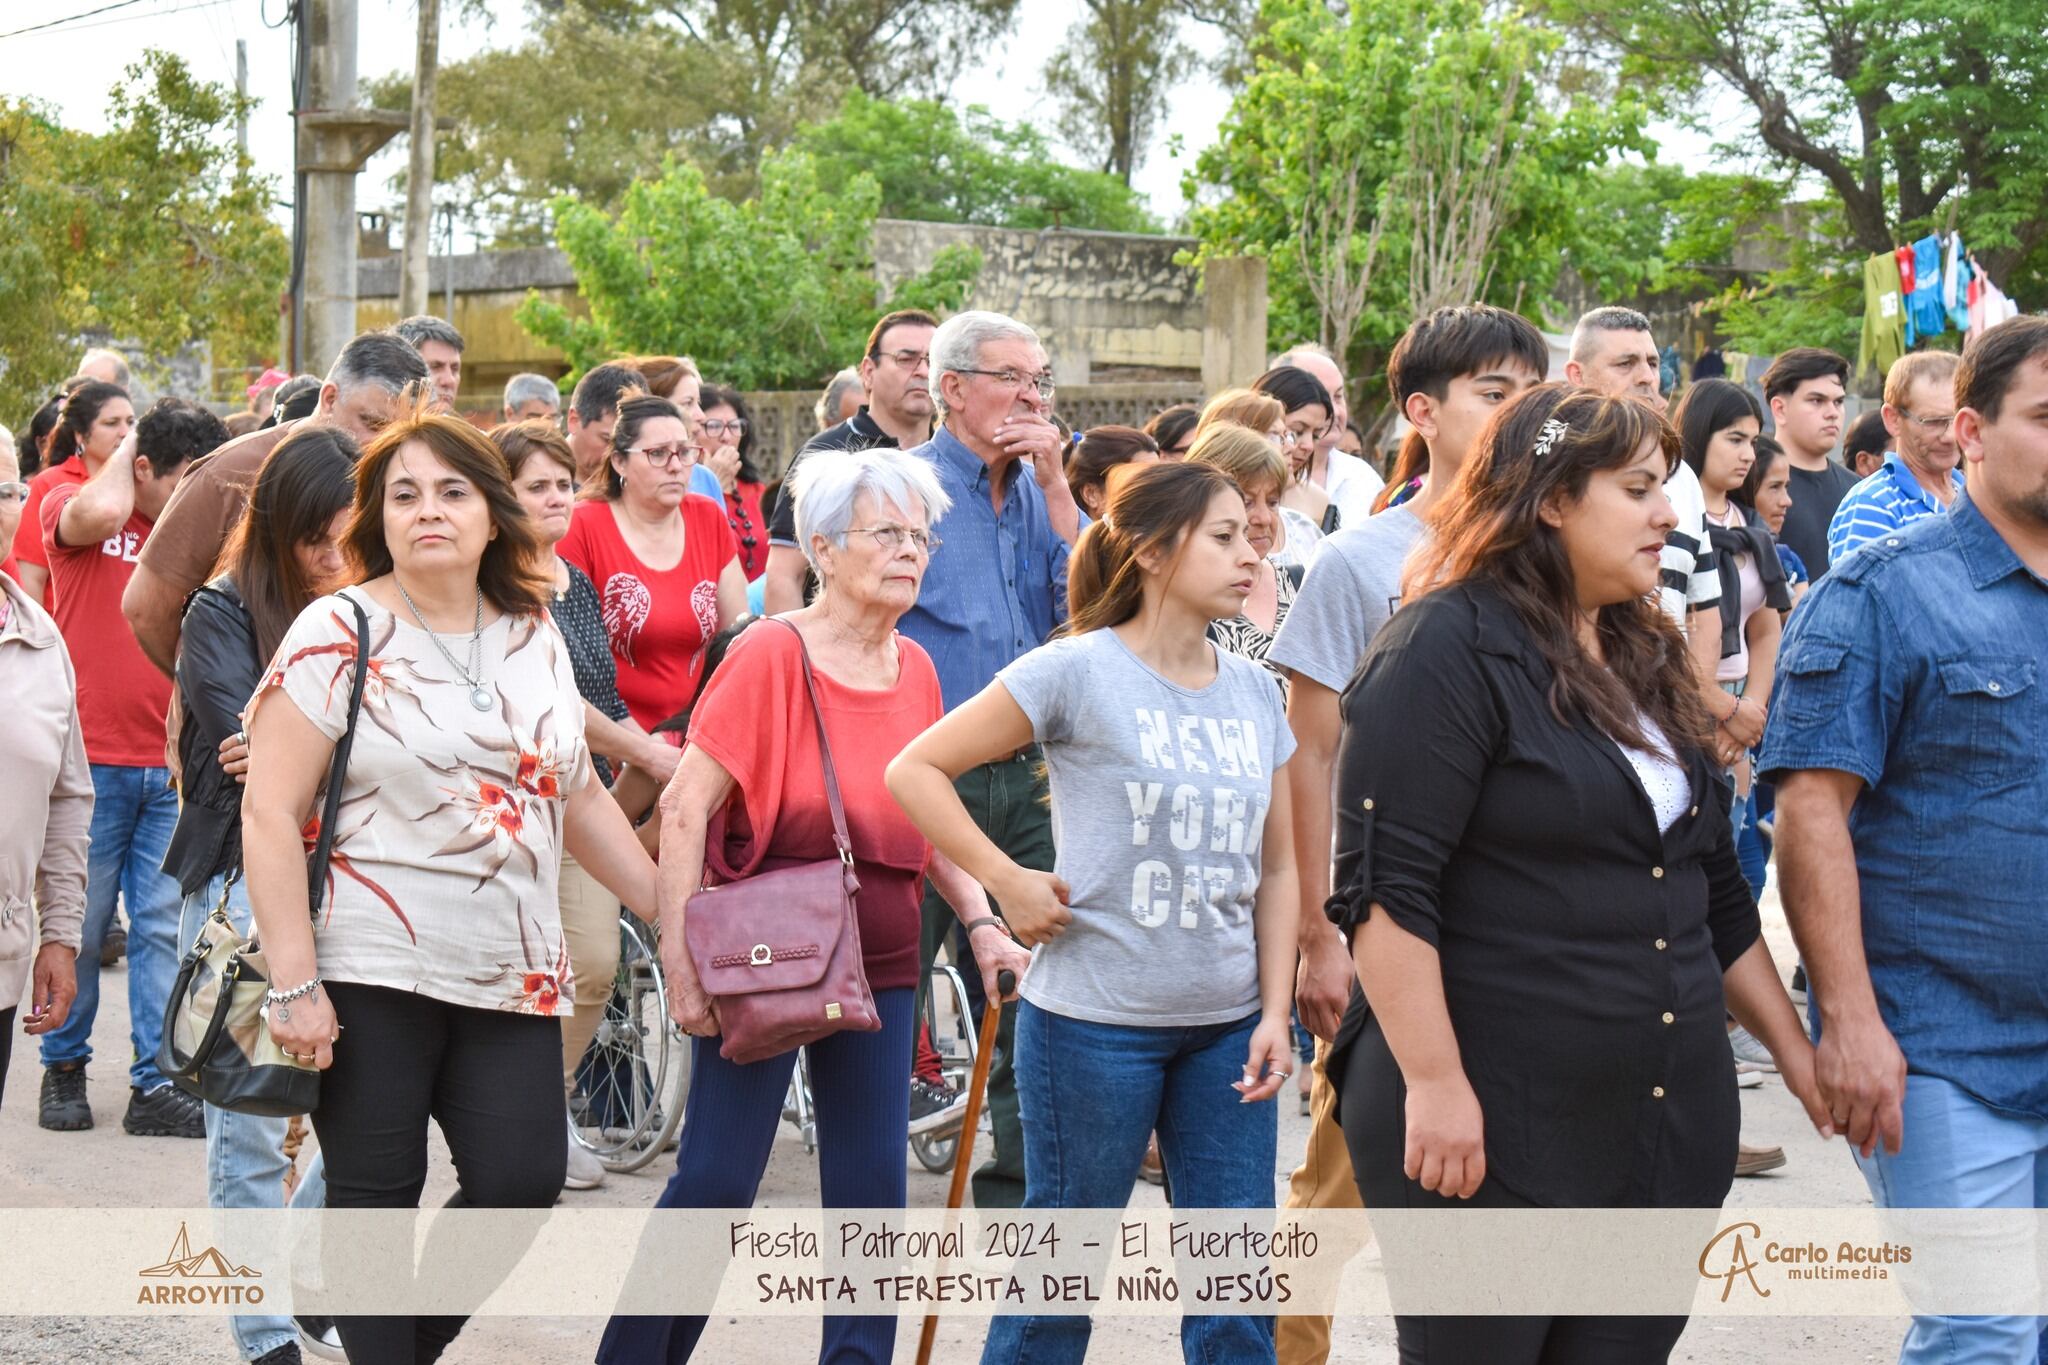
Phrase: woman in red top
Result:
[863,518]
[728,432]
[665,564]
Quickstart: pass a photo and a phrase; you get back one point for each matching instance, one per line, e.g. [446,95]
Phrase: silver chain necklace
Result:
[479,695]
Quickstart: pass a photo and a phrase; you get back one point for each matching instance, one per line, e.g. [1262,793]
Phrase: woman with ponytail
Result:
[1158,996]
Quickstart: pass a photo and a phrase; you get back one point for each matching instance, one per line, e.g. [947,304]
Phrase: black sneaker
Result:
[64,1108]
[164,1112]
[319,1338]
[1799,984]
[935,1108]
[287,1354]
[113,945]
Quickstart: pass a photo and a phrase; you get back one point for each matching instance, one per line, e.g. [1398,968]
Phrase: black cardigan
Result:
[218,668]
[1581,949]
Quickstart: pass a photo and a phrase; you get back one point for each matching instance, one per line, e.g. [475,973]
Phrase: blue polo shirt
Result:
[997,588]
[1920,664]
[1889,499]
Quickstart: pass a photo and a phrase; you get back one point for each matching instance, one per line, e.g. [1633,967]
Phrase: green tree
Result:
[603,90]
[938,166]
[782,284]
[1389,107]
[1114,76]
[153,232]
[1907,111]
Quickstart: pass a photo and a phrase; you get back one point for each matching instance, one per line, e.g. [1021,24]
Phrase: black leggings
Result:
[492,1080]
[1372,1105]
[6,1045]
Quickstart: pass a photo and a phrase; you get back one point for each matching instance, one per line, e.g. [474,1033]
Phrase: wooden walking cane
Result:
[991,1016]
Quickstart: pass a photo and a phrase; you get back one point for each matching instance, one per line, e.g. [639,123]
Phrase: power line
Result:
[53,23]
[72,25]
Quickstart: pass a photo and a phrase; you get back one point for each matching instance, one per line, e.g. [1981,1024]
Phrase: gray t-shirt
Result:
[1350,592]
[1159,800]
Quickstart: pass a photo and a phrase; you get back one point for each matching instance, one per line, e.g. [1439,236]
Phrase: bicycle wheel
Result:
[636,1075]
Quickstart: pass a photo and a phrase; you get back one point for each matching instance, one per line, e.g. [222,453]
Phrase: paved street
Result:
[107,1168]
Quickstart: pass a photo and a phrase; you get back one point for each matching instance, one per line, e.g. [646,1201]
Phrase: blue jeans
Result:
[133,813]
[245,1160]
[861,1083]
[1091,1094]
[1958,1154]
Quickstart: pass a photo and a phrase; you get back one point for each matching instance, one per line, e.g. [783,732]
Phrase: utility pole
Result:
[335,139]
[419,180]
[241,96]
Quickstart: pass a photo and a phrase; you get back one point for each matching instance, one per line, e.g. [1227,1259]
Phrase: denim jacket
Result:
[1918,665]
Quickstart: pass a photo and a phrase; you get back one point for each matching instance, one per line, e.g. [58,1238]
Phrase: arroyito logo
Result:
[1727,1257]
[206,1277]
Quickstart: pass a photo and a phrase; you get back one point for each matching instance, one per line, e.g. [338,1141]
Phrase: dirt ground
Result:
[106,1168]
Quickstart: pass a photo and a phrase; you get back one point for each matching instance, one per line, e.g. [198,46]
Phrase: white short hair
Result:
[1302,348]
[956,345]
[835,393]
[522,389]
[7,441]
[827,484]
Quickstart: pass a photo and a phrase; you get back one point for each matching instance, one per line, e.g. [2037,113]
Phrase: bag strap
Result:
[316,867]
[839,835]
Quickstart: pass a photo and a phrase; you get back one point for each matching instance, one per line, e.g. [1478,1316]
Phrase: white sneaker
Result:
[586,1172]
[1750,1055]
[1747,1080]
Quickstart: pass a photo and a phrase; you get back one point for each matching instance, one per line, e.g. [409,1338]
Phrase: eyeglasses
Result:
[1010,379]
[908,359]
[1289,439]
[714,427]
[668,457]
[891,537]
[1933,426]
[13,492]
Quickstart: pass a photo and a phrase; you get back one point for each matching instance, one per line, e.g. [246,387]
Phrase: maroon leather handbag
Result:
[780,951]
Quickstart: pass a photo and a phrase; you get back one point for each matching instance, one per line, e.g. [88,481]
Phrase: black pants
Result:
[6,1046]
[492,1080]
[1371,1112]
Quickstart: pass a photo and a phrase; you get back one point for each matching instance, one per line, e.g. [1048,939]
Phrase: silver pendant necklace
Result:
[479,695]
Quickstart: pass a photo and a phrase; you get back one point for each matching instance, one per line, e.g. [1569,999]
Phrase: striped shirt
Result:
[1881,504]
[1690,579]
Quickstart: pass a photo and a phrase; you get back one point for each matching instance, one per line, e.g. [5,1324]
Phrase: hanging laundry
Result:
[1923,301]
[1710,365]
[1990,307]
[1668,375]
[1738,366]
[1905,258]
[1955,284]
[1884,315]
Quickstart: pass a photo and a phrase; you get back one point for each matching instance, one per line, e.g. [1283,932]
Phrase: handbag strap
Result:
[839,835]
[337,771]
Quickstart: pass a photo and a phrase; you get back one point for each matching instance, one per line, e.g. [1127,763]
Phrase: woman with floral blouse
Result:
[439,947]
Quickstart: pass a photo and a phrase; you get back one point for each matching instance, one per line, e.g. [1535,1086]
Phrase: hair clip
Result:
[1549,435]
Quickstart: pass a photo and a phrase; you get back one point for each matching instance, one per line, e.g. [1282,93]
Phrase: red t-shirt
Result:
[659,621]
[122,696]
[755,718]
[28,536]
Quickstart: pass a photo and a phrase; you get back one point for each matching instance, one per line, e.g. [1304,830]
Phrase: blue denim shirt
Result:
[1918,665]
[997,588]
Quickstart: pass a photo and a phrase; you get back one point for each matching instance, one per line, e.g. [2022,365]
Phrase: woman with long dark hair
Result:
[1535,865]
[1309,410]
[285,552]
[1097,451]
[1159,1000]
[93,421]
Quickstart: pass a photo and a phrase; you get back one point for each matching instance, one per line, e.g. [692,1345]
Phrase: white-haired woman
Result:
[864,520]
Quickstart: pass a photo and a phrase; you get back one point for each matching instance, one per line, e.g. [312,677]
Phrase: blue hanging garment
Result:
[1924,307]
[1955,284]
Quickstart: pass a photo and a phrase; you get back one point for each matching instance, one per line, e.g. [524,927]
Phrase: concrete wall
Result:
[1110,305]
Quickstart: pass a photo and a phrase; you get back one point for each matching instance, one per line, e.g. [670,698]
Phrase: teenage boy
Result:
[1448,373]
[1805,388]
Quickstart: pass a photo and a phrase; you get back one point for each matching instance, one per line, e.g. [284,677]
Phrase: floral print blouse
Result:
[449,837]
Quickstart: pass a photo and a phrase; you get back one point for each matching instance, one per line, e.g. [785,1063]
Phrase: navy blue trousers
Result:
[861,1085]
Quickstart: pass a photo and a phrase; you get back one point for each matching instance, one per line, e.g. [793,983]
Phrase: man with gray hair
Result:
[532,398]
[995,590]
[440,345]
[361,396]
[840,400]
[109,367]
[1351,483]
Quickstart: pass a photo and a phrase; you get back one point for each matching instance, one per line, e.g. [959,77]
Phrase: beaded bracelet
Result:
[295,993]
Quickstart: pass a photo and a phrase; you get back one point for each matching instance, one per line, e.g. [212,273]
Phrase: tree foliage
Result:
[1114,76]
[153,232]
[1373,95]
[935,165]
[782,285]
[601,91]
[1906,111]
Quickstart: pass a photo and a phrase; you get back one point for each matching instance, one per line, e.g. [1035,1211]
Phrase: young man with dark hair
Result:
[1905,741]
[94,532]
[594,411]
[1865,444]
[1804,388]
[895,374]
[1449,373]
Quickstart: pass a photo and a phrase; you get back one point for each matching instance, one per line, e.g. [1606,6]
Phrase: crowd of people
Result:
[1451,792]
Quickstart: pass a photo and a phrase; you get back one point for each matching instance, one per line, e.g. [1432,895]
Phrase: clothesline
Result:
[1911,293]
